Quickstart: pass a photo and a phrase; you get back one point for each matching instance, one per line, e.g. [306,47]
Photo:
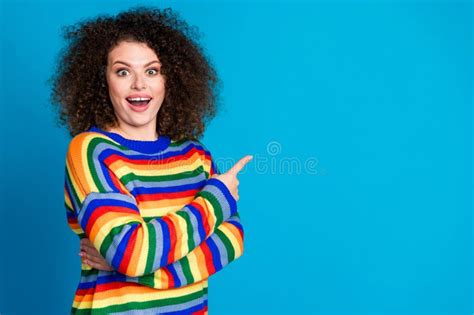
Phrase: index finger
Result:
[240,164]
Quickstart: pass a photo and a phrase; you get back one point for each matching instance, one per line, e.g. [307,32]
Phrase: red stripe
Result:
[168,195]
[127,255]
[101,210]
[205,223]
[170,278]
[115,285]
[83,292]
[116,181]
[208,258]
[172,241]
[115,157]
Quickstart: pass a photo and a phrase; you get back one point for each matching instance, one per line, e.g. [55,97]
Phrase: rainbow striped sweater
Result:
[153,212]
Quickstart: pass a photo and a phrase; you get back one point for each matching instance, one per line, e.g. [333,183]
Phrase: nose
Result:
[138,83]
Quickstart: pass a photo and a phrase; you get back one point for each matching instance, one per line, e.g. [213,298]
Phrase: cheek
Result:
[116,90]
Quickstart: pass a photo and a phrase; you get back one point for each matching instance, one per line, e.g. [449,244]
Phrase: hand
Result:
[230,177]
[92,256]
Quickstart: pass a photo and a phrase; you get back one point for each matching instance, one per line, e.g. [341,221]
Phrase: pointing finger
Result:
[240,164]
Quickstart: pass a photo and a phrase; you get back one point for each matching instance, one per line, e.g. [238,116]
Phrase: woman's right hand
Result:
[229,178]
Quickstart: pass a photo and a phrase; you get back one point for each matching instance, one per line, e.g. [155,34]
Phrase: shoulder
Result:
[82,146]
[187,145]
[195,147]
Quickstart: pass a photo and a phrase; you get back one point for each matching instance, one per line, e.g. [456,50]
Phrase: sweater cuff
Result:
[223,195]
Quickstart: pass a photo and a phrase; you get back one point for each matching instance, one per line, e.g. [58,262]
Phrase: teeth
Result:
[138,99]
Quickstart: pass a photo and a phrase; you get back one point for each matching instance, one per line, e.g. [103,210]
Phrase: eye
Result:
[119,71]
[153,71]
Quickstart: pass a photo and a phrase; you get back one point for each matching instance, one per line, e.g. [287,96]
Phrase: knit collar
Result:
[143,146]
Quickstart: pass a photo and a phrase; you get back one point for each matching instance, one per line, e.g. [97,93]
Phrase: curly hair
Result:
[79,87]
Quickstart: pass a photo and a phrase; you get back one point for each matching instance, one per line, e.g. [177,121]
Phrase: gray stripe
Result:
[179,271]
[159,243]
[164,309]
[90,278]
[220,198]
[105,195]
[115,243]
[183,146]
[169,183]
[194,224]
[75,206]
[97,164]
[222,249]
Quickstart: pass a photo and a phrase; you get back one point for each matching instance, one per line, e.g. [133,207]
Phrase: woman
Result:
[154,216]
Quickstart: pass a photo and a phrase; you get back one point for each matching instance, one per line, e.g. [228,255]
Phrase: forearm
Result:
[217,251]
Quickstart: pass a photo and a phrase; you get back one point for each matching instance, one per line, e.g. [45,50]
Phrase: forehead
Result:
[134,53]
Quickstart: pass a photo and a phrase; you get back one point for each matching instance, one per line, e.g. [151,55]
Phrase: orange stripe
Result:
[108,217]
[201,262]
[158,166]
[133,266]
[236,232]
[177,249]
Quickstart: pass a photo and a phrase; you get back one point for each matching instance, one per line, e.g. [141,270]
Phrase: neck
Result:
[144,133]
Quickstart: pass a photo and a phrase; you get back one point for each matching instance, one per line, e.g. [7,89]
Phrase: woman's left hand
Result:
[92,257]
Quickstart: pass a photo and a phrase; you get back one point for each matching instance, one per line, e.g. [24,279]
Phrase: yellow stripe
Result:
[193,266]
[233,239]
[123,169]
[105,223]
[140,294]
[140,254]
[163,207]
[210,209]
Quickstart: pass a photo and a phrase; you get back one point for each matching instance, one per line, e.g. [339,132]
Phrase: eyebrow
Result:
[123,62]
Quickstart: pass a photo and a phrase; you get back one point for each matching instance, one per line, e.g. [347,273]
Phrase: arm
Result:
[109,215]
[217,251]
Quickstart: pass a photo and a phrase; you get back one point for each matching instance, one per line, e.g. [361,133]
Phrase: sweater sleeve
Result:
[224,246]
[110,216]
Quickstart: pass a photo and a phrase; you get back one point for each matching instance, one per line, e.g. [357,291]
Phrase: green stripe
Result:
[151,248]
[104,247]
[215,204]
[148,280]
[87,273]
[144,305]
[186,270]
[227,244]
[90,160]
[163,178]
[74,192]
[189,227]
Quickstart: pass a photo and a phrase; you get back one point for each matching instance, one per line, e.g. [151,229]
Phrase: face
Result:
[136,86]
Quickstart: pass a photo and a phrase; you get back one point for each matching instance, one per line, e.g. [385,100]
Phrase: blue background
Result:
[377,96]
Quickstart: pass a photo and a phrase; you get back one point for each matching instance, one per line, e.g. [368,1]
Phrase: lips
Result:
[138,104]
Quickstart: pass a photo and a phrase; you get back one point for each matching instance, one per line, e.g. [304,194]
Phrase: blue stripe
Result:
[122,247]
[197,214]
[105,171]
[187,311]
[167,189]
[166,242]
[86,285]
[94,204]
[228,196]
[237,224]
[111,278]
[151,159]
[216,256]
[177,282]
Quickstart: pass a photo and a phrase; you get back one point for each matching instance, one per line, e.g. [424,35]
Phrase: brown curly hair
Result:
[79,87]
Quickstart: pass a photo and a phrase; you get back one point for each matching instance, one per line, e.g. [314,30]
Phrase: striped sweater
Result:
[153,212]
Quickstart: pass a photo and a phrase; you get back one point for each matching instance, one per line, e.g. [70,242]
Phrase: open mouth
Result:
[138,101]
